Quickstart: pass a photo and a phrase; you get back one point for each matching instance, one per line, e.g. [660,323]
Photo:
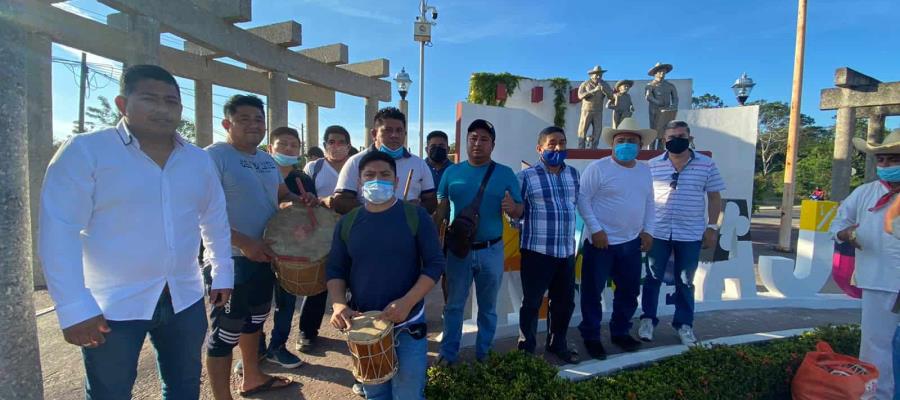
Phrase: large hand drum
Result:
[302,238]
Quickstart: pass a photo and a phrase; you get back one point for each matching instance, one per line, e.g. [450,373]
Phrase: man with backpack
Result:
[386,252]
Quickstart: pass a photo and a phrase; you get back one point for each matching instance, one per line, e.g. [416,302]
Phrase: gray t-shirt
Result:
[251,187]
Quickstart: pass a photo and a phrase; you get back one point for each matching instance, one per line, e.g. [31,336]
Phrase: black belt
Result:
[485,244]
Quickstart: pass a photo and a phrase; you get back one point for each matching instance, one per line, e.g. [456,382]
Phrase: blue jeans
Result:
[409,381]
[897,363]
[687,256]
[311,314]
[111,368]
[621,262]
[485,267]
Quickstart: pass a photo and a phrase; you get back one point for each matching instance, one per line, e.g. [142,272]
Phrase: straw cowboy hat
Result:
[596,70]
[890,144]
[628,125]
[628,82]
[658,66]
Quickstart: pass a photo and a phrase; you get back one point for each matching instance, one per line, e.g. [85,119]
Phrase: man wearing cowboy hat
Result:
[860,221]
[616,203]
[662,98]
[591,93]
[620,103]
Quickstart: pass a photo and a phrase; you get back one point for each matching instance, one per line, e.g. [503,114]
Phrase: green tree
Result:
[707,100]
[771,143]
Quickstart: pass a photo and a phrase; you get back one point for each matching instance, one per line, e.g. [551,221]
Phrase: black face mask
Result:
[678,145]
[437,154]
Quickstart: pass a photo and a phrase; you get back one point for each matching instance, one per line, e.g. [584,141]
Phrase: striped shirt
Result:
[681,212]
[548,224]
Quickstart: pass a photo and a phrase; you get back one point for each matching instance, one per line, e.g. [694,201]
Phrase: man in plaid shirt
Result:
[550,195]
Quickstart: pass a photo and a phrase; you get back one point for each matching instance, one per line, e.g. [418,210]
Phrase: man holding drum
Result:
[253,188]
[387,253]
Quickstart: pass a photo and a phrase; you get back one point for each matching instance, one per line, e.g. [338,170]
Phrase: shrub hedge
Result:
[752,371]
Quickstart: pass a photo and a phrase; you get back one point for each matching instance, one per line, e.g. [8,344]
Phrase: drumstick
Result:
[408,180]
[309,211]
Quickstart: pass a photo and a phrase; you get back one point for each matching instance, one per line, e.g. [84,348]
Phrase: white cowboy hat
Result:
[596,70]
[658,66]
[890,144]
[628,125]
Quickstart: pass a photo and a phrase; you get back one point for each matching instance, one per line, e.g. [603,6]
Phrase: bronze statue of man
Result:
[592,93]
[621,103]
[662,98]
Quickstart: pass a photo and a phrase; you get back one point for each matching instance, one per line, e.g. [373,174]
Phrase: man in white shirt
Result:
[389,135]
[616,203]
[122,213]
[860,221]
[325,171]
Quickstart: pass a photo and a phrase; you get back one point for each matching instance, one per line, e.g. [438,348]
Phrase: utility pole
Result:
[793,141]
[422,34]
[82,91]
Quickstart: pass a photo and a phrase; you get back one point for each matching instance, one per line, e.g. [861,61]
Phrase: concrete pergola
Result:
[310,76]
[28,28]
[856,96]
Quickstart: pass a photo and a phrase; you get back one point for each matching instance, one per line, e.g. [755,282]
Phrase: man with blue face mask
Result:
[616,203]
[861,221]
[389,135]
[547,243]
[387,254]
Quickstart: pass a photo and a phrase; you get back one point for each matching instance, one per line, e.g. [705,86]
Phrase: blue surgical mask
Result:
[626,151]
[889,174]
[378,192]
[395,154]
[554,158]
[284,160]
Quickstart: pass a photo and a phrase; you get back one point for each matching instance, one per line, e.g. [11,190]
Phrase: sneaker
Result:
[358,390]
[595,349]
[283,357]
[303,344]
[645,332]
[686,334]
[626,342]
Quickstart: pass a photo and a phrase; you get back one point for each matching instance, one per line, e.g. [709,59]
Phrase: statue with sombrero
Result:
[621,103]
[662,98]
[592,94]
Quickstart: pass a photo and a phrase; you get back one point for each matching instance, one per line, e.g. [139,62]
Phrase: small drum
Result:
[302,238]
[371,343]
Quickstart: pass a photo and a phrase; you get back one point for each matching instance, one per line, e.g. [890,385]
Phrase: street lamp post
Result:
[422,34]
[742,87]
[403,82]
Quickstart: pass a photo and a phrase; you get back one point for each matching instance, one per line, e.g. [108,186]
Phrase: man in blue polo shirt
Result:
[484,263]
[387,267]
[685,184]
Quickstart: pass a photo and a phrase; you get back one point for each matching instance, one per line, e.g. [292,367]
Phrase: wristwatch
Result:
[713,227]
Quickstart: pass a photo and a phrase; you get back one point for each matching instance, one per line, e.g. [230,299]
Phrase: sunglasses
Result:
[674,183]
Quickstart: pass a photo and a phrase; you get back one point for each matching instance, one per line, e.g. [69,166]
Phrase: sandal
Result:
[270,384]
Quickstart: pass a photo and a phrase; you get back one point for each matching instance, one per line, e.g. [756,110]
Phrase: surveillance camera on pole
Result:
[422,34]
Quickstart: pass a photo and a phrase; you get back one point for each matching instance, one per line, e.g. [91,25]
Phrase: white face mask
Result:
[339,152]
[378,192]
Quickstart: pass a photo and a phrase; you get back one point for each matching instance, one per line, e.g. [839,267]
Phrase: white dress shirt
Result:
[878,263]
[617,200]
[115,228]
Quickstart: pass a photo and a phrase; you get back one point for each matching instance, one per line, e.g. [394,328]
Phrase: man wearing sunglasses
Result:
[685,184]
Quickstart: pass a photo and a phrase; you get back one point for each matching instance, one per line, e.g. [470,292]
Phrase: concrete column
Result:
[203,112]
[277,101]
[144,46]
[20,364]
[371,109]
[874,133]
[844,129]
[404,108]
[312,125]
[39,111]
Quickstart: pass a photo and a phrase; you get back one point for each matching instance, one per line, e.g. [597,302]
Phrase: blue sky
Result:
[710,41]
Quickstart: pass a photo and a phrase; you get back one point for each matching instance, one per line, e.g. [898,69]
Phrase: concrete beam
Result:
[277,102]
[885,94]
[848,78]
[285,34]
[103,40]
[874,111]
[332,54]
[203,112]
[844,128]
[232,11]
[312,125]
[370,111]
[39,106]
[379,68]
[190,22]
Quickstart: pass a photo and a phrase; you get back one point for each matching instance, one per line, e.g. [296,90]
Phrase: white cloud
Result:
[349,9]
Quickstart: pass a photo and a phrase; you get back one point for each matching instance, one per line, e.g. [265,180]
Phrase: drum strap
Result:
[412,220]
